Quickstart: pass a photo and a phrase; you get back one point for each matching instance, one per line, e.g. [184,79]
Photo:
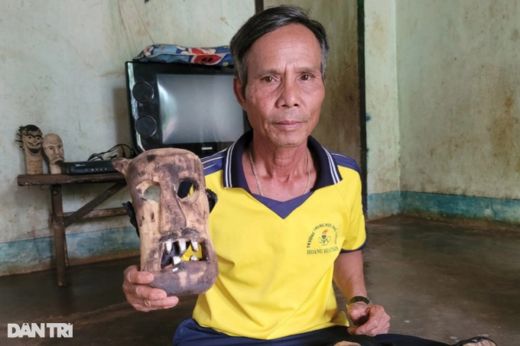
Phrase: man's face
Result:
[32,140]
[285,89]
[53,148]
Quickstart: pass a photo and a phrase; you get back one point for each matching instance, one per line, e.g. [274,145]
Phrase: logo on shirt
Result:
[323,239]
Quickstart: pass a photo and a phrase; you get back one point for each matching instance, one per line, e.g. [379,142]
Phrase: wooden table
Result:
[61,220]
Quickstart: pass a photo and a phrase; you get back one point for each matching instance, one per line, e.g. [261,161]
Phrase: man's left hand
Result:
[368,319]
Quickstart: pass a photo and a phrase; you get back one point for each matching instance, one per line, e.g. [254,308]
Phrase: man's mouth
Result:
[174,250]
[288,125]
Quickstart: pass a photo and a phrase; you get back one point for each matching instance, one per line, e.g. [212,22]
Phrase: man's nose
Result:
[289,94]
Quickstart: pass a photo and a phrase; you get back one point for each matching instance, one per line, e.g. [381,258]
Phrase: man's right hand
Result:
[143,297]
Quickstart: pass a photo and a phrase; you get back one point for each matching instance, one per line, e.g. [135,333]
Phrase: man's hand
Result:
[368,320]
[142,297]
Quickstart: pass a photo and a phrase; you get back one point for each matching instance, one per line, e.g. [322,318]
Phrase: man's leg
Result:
[190,333]
[405,340]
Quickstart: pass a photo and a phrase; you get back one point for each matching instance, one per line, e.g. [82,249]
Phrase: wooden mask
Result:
[171,206]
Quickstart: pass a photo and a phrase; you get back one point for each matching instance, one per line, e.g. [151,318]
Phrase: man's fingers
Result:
[147,301]
[143,297]
[376,321]
[358,312]
[133,275]
[167,303]
[149,305]
[149,293]
[370,327]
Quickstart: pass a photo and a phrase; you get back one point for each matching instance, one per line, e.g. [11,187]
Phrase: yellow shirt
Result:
[276,259]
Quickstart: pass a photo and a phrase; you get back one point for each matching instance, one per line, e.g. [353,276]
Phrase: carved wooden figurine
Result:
[53,148]
[171,206]
[31,139]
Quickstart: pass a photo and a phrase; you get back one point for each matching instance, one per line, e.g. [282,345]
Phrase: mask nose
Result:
[173,217]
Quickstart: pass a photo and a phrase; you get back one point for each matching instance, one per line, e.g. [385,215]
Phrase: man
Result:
[289,217]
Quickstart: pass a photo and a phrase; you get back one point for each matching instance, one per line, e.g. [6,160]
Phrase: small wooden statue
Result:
[31,143]
[53,148]
[173,220]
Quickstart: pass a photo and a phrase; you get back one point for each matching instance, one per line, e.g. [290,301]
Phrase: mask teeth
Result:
[182,246]
[178,247]
[175,249]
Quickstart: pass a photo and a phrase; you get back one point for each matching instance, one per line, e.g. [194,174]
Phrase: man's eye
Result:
[268,79]
[306,77]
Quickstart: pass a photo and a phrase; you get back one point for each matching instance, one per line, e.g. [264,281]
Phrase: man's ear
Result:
[239,91]
[121,164]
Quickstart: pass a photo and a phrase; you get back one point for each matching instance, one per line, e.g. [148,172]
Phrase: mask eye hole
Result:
[152,193]
[187,189]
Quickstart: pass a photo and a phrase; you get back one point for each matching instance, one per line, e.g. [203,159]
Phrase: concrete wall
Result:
[458,87]
[459,93]
[382,118]
[338,128]
[61,68]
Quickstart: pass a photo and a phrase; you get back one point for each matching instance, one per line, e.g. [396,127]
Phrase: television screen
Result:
[198,108]
[184,106]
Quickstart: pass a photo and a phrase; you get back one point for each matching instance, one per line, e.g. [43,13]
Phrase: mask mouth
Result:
[187,263]
[175,253]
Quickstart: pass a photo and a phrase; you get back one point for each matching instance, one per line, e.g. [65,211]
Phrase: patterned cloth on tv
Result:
[171,53]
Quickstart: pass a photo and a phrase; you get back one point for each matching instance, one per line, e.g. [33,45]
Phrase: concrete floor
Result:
[445,280]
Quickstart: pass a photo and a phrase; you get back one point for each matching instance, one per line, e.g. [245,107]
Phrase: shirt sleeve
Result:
[355,234]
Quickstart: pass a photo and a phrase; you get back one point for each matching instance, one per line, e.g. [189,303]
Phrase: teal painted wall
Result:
[37,254]
[383,204]
[410,202]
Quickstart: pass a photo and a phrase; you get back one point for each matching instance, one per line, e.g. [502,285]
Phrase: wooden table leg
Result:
[59,233]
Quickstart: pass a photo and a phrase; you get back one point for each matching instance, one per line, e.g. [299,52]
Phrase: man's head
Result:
[279,59]
[31,139]
[267,21]
[53,148]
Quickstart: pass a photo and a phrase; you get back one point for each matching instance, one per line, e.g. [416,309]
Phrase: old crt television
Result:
[183,106]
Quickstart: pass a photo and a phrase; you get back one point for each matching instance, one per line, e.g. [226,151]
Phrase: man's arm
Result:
[368,319]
